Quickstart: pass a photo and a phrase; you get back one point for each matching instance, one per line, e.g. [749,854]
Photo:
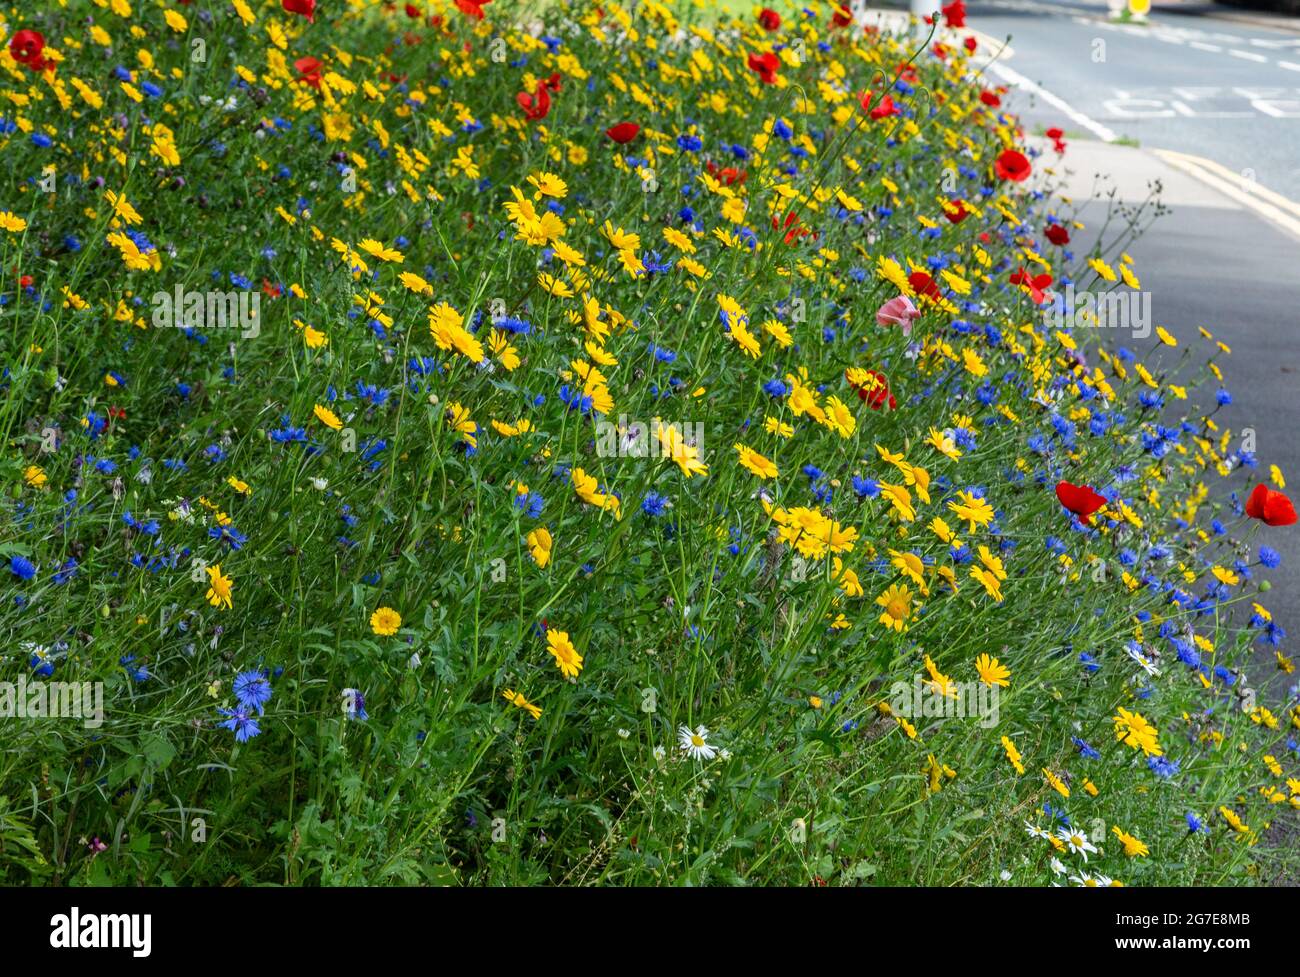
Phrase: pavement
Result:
[1212,261]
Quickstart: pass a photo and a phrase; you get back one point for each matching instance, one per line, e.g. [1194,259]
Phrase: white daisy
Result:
[1035,831]
[1084,880]
[1058,867]
[1148,666]
[1076,841]
[696,744]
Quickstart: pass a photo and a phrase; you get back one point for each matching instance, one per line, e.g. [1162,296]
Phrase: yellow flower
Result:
[755,462]
[674,446]
[34,475]
[992,672]
[327,417]
[385,621]
[11,222]
[566,656]
[992,585]
[910,565]
[219,588]
[548,185]
[975,511]
[539,545]
[897,602]
[517,699]
[1013,755]
[378,250]
[1056,783]
[1133,730]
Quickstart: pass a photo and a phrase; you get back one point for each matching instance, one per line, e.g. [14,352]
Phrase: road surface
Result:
[1226,90]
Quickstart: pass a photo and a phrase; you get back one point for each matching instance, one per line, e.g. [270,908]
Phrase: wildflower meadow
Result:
[581,443]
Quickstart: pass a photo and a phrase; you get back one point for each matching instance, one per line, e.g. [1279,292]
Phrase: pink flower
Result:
[898,311]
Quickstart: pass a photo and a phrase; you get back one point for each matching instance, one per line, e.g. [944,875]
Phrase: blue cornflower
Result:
[22,568]
[653,504]
[252,690]
[241,722]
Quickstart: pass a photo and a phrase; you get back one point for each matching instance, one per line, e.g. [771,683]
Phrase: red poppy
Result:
[991,99]
[970,44]
[769,20]
[882,109]
[878,395]
[270,289]
[765,65]
[305,7]
[623,133]
[535,106]
[923,284]
[1057,234]
[726,175]
[1011,165]
[1058,138]
[308,69]
[412,11]
[472,8]
[1271,508]
[842,16]
[26,46]
[1079,499]
[793,229]
[955,13]
[956,211]
[1035,283]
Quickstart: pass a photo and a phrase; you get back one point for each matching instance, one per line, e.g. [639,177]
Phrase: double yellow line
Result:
[1272,206]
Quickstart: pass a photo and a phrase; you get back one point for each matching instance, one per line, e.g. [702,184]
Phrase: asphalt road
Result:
[1226,90]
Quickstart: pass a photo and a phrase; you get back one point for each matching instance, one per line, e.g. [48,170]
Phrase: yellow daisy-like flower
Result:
[220,588]
[897,602]
[518,700]
[756,463]
[539,545]
[992,672]
[1013,755]
[327,417]
[385,621]
[974,511]
[566,656]
[1133,730]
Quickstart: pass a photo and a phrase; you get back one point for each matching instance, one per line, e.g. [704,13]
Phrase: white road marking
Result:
[1019,80]
[1289,65]
[1248,55]
[1202,46]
